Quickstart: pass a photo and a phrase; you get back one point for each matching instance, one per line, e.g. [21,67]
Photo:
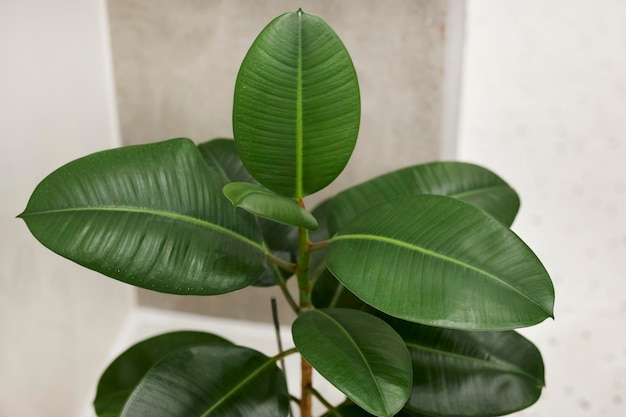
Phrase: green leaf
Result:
[436,260]
[153,216]
[221,156]
[296,107]
[352,410]
[211,381]
[466,182]
[348,410]
[263,203]
[329,293]
[459,373]
[125,372]
[359,354]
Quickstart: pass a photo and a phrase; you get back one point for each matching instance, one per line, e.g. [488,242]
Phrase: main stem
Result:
[304,287]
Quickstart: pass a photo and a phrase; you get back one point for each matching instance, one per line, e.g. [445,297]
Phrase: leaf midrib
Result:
[491,364]
[152,212]
[445,258]
[239,386]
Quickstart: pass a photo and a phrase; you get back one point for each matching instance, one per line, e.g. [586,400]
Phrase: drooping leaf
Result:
[472,374]
[221,156]
[467,182]
[264,203]
[124,373]
[439,261]
[211,381]
[296,108]
[359,354]
[153,216]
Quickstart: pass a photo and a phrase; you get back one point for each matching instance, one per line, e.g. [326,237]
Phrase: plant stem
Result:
[321,399]
[304,287]
[287,266]
[315,246]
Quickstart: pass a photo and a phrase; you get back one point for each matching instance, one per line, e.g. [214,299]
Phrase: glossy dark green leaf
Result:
[211,381]
[330,293]
[125,372]
[439,261]
[296,107]
[221,156]
[264,203]
[467,182]
[459,373]
[359,354]
[153,216]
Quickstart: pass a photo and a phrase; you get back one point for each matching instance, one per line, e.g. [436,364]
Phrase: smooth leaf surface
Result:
[211,381]
[459,373]
[467,182]
[359,354]
[436,260]
[153,216]
[264,203]
[124,373]
[296,108]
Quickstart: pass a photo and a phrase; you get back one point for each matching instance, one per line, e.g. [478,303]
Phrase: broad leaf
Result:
[211,381]
[221,156]
[467,182]
[459,373]
[436,260]
[359,354]
[153,216]
[125,372]
[264,203]
[296,107]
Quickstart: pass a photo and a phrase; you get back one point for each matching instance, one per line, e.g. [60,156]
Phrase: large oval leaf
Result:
[459,373]
[124,373]
[153,216]
[436,260]
[211,381]
[296,107]
[467,182]
[264,203]
[359,354]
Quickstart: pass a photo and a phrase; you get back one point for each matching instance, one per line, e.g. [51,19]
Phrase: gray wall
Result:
[176,64]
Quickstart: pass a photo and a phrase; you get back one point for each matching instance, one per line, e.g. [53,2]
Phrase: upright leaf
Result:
[211,381]
[153,216]
[436,260]
[296,107]
[124,373]
[477,374]
[467,182]
[359,354]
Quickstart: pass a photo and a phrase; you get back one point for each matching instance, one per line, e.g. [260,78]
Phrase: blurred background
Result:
[534,90]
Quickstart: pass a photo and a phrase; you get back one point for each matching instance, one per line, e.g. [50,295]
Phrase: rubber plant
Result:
[410,285]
